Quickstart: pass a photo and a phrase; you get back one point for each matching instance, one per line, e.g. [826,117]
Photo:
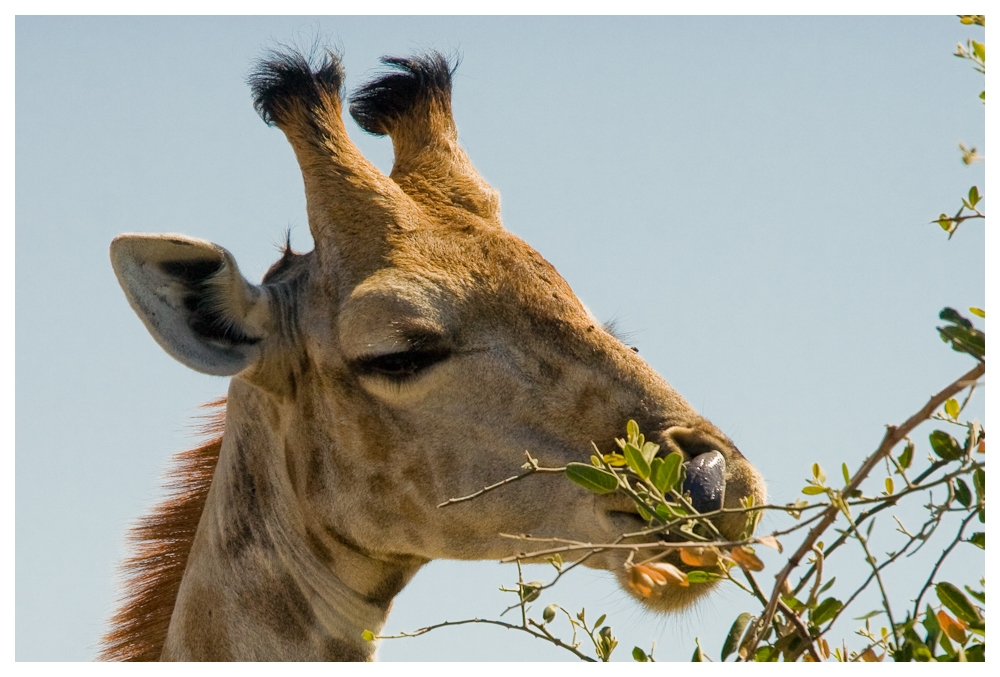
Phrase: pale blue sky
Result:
[748,197]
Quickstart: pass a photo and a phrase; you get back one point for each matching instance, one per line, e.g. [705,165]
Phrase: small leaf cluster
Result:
[600,635]
[654,483]
[950,224]
[961,334]
[956,637]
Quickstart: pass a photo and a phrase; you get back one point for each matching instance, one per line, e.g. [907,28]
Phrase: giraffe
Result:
[412,356]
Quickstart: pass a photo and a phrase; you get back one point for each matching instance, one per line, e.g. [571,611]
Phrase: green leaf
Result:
[368,636]
[670,472]
[644,512]
[825,610]
[978,539]
[962,493]
[932,627]
[953,316]
[827,585]
[593,479]
[978,311]
[945,446]
[812,490]
[951,407]
[698,576]
[945,222]
[669,511]
[976,653]
[698,656]
[549,613]
[889,486]
[818,474]
[847,473]
[614,460]
[974,196]
[649,451]
[654,471]
[979,49]
[632,428]
[907,456]
[529,592]
[958,603]
[870,614]
[979,482]
[970,341]
[639,656]
[600,620]
[732,642]
[636,461]
[763,655]
[981,596]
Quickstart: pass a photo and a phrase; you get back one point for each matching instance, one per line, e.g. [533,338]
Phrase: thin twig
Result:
[818,566]
[623,546]
[725,511]
[944,554]
[968,397]
[899,553]
[534,470]
[878,576]
[510,626]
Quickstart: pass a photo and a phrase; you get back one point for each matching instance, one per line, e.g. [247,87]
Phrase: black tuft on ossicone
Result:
[377,105]
[282,77]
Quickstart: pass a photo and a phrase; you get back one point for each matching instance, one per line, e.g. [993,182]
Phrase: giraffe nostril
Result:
[706,481]
[692,442]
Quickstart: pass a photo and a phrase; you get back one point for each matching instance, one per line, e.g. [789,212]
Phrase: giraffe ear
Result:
[193,300]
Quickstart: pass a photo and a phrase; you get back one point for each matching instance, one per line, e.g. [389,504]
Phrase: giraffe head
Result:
[415,354]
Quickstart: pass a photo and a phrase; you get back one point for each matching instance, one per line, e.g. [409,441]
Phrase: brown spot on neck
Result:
[248,501]
[387,589]
[283,608]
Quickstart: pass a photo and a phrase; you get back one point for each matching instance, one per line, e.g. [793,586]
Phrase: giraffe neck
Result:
[267,579]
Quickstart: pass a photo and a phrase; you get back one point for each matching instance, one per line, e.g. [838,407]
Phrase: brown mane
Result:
[161,542]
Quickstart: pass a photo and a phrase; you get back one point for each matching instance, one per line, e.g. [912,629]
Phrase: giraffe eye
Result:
[402,365]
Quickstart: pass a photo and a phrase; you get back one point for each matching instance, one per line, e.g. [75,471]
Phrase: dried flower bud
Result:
[745,557]
[655,577]
[700,557]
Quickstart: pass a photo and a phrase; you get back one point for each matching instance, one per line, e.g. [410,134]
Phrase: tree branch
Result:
[893,435]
